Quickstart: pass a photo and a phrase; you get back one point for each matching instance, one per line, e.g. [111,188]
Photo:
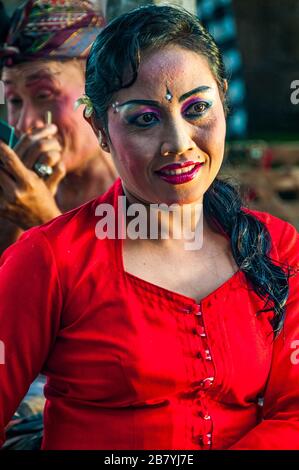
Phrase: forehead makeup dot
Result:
[201,89]
[168,95]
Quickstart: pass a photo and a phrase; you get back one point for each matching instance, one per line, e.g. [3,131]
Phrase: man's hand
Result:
[25,198]
[41,145]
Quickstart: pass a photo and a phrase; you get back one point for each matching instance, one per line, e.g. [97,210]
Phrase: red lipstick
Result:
[178,173]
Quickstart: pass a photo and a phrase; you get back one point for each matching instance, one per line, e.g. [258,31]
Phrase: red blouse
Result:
[131,365]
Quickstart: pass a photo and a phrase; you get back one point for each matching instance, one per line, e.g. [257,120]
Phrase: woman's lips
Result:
[179,173]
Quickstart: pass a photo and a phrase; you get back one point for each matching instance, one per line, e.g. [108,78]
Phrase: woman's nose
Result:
[177,140]
[28,119]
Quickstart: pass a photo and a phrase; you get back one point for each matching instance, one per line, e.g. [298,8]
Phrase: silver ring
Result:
[42,170]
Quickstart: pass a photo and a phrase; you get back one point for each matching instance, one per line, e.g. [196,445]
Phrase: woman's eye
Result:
[196,110]
[145,120]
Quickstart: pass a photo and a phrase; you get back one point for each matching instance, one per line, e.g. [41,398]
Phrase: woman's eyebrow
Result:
[146,102]
[199,89]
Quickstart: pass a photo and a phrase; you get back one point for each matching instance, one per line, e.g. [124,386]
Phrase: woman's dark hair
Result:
[113,64]
[115,56]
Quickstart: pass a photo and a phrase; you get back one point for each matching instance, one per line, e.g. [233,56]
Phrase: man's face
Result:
[33,88]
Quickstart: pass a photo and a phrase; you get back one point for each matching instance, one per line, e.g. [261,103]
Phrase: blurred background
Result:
[260,44]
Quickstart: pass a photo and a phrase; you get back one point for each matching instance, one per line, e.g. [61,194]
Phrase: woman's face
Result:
[36,87]
[153,132]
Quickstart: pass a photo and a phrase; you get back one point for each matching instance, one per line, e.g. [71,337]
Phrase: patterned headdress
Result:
[51,29]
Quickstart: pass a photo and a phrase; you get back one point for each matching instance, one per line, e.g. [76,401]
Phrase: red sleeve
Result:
[279,429]
[30,304]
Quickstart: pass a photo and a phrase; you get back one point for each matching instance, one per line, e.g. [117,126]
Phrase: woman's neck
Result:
[179,223]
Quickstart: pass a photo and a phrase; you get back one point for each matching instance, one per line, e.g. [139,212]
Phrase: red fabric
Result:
[131,365]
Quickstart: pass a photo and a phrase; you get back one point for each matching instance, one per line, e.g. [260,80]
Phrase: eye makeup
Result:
[131,115]
[193,101]
[133,112]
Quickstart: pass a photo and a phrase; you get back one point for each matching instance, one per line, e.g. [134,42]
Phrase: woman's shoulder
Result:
[81,220]
[271,221]
[70,233]
[284,235]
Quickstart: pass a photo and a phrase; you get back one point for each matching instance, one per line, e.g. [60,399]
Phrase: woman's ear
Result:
[225,86]
[99,132]
[223,94]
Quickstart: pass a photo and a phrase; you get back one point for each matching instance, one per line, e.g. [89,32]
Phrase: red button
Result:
[208,355]
[205,439]
[197,309]
[202,332]
[206,383]
[204,415]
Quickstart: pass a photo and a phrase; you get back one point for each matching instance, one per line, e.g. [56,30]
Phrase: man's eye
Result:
[15,101]
[197,109]
[44,95]
[145,120]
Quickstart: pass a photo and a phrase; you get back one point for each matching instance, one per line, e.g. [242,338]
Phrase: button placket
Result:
[202,333]
[197,310]
[208,355]
[199,331]
[205,439]
[204,426]
[206,383]
[204,415]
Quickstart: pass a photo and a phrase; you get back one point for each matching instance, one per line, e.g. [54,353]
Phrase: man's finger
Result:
[26,140]
[12,163]
[38,152]
[7,185]
[8,211]
[51,158]
[58,175]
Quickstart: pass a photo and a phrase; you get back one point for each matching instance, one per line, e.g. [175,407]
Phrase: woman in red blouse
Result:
[147,344]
